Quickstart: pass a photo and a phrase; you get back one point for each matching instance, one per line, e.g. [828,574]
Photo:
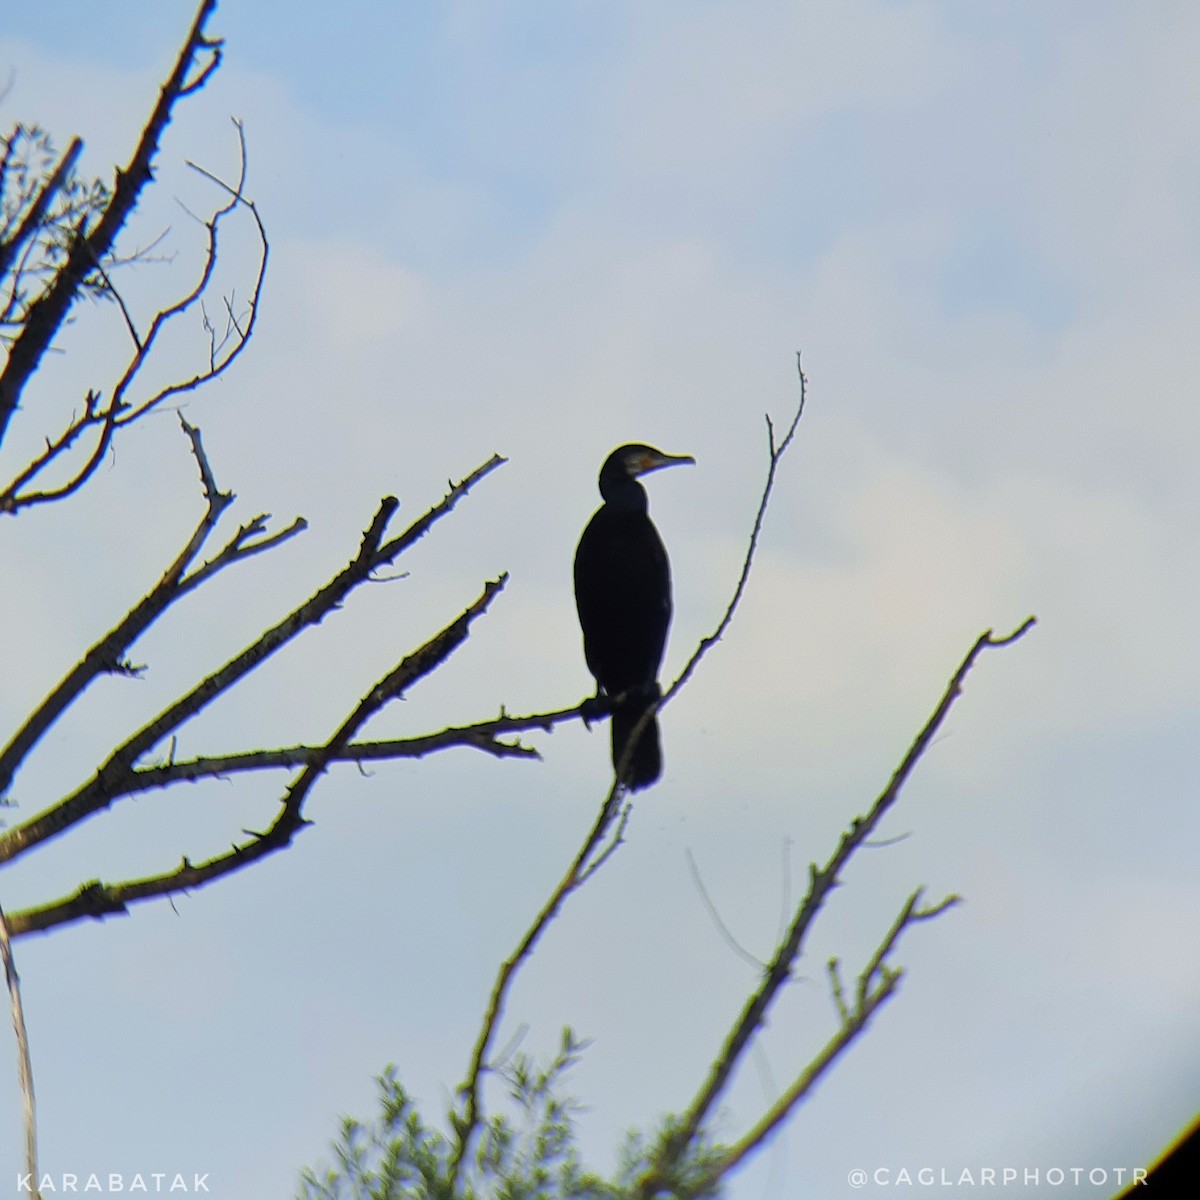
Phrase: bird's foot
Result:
[595,707]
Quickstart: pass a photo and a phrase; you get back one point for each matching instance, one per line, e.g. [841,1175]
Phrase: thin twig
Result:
[125,313]
[119,411]
[59,178]
[618,839]
[775,454]
[24,1063]
[715,917]
[838,990]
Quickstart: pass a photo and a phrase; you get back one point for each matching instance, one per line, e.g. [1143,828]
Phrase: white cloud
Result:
[353,296]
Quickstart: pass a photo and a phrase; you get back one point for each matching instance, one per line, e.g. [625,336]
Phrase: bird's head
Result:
[628,462]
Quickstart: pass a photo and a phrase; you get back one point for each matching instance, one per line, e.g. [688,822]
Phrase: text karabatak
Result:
[111,1184]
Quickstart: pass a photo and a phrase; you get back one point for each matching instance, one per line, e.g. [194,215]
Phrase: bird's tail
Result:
[644,764]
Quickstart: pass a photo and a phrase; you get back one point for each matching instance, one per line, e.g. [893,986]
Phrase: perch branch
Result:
[587,860]
[480,736]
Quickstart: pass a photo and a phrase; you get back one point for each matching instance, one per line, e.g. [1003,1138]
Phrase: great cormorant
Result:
[623,594]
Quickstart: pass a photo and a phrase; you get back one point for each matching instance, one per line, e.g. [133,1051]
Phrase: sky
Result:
[543,230]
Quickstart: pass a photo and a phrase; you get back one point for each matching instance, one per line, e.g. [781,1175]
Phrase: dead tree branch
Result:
[83,263]
[876,984]
[105,656]
[98,900]
[113,778]
[467,1122]
[775,453]
[480,736]
[35,212]
[104,419]
[822,881]
[47,313]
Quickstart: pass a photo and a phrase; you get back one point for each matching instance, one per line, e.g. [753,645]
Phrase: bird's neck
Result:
[625,496]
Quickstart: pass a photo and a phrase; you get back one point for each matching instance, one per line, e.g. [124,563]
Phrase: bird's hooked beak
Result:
[654,460]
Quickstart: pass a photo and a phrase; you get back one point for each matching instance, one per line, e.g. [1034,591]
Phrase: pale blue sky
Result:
[544,229]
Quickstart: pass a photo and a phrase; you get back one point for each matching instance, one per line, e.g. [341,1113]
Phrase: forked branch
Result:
[822,880]
[101,420]
[874,987]
[47,313]
[109,652]
[99,900]
[112,779]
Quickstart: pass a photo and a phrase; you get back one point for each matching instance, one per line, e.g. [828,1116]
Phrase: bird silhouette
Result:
[623,595]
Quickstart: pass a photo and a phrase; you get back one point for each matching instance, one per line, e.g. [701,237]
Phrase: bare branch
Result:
[775,454]
[108,653]
[480,736]
[145,779]
[47,313]
[217,364]
[618,839]
[837,990]
[98,900]
[11,498]
[875,986]
[240,546]
[422,525]
[466,1124]
[119,411]
[213,45]
[40,203]
[111,288]
[217,500]
[822,881]
[111,780]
